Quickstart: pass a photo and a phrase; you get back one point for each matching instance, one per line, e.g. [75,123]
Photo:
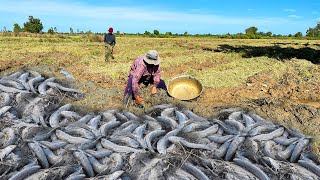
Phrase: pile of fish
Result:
[40,138]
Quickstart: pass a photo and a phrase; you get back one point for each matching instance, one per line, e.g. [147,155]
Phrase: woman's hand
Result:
[153,90]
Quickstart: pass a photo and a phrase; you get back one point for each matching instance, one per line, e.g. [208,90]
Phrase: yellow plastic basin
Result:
[184,87]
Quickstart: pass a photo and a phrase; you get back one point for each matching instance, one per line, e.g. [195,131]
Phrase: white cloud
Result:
[290,10]
[294,16]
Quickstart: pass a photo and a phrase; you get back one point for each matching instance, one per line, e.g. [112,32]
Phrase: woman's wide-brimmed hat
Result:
[152,57]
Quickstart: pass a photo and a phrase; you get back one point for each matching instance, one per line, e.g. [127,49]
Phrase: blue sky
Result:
[199,16]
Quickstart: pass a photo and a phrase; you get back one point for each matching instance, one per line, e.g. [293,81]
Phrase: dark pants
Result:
[146,82]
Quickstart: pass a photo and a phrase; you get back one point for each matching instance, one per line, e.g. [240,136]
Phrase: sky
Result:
[195,17]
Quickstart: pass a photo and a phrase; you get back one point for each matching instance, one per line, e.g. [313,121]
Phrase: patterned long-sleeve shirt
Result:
[139,70]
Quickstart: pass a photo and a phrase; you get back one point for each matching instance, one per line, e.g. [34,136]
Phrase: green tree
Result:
[251,30]
[311,32]
[71,30]
[51,31]
[89,32]
[314,32]
[156,32]
[168,34]
[298,35]
[269,34]
[55,29]
[16,28]
[34,25]
[185,33]
[147,33]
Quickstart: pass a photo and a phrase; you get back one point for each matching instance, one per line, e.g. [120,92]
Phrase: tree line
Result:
[34,25]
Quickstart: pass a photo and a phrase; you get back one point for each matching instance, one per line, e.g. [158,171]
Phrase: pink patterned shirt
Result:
[140,70]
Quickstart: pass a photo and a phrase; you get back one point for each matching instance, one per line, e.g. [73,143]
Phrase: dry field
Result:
[278,79]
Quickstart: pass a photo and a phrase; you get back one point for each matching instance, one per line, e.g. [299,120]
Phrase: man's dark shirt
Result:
[110,39]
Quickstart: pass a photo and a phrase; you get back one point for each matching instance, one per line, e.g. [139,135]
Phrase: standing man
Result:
[109,43]
[146,70]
